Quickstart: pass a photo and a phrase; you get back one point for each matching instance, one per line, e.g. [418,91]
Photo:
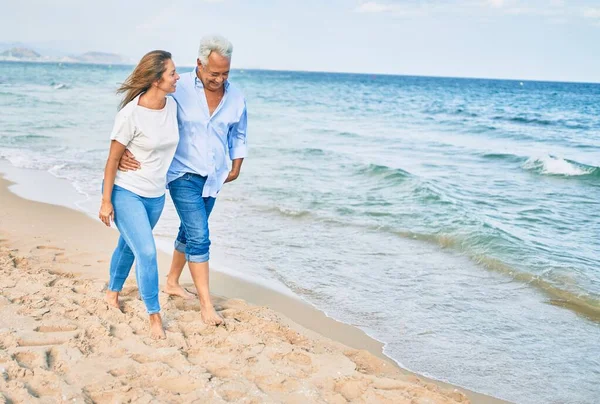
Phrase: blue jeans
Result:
[193,210]
[135,217]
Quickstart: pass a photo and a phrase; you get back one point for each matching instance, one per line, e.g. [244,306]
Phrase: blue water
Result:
[455,220]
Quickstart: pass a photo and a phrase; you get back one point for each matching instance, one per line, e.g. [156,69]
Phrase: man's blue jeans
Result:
[193,210]
[135,217]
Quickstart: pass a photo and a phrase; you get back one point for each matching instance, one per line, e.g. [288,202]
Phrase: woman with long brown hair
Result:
[146,124]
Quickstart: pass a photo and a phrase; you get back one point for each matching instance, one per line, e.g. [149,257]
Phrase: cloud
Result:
[551,10]
[374,7]
[592,13]
[404,8]
[533,11]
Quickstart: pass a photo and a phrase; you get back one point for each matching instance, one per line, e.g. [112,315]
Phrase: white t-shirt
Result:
[151,135]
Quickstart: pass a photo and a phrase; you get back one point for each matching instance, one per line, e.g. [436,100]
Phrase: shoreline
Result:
[84,234]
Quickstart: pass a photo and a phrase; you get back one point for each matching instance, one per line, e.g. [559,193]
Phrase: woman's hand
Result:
[107,213]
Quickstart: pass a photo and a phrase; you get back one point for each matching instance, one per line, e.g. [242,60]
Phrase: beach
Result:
[446,225]
[62,343]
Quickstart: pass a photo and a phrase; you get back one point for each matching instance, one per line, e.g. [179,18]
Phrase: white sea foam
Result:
[23,158]
[551,165]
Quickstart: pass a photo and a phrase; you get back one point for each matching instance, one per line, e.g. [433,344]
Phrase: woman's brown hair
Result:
[150,68]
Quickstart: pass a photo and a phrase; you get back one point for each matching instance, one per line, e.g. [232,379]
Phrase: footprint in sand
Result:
[48,335]
[30,359]
[121,331]
[45,346]
[49,247]
[56,328]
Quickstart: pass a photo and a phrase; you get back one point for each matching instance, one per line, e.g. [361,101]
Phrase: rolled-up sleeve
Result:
[237,138]
[123,129]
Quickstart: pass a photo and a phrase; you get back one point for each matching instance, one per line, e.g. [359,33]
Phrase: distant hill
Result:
[30,55]
[20,53]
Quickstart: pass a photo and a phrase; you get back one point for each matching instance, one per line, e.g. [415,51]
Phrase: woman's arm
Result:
[110,171]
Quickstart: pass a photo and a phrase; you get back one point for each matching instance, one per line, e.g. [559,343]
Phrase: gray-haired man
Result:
[212,119]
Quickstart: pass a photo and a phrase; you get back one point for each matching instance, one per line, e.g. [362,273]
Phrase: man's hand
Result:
[128,162]
[236,166]
[232,176]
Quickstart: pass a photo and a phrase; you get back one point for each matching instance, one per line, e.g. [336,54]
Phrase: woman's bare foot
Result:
[210,316]
[174,289]
[156,328]
[112,299]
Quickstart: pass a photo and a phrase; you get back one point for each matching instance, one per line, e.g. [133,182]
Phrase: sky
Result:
[517,39]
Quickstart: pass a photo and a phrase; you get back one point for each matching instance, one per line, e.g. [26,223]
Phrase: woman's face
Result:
[168,81]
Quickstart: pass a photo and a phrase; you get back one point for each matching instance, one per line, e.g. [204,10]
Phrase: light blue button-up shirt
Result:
[205,141]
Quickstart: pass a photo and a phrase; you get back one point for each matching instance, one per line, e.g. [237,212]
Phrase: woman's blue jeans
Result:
[135,217]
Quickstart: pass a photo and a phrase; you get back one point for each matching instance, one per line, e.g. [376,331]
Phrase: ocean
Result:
[455,220]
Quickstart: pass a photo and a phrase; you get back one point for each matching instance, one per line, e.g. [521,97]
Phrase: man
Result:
[212,119]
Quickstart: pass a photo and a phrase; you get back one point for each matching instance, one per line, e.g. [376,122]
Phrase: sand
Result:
[60,342]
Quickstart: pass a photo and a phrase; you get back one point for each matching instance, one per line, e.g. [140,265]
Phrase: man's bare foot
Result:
[177,290]
[210,316]
[156,328]
[112,299]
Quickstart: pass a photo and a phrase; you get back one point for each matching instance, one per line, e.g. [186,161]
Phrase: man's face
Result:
[215,73]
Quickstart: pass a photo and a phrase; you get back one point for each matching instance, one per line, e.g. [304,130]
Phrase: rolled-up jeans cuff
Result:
[154,311]
[116,284]
[152,304]
[197,258]
[179,246]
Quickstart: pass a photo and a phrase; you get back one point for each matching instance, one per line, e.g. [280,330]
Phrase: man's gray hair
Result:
[214,43]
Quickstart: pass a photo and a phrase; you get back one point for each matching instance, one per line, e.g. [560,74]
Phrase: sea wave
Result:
[60,86]
[348,134]
[384,172]
[24,139]
[295,151]
[482,128]
[504,156]
[463,111]
[558,293]
[558,166]
[525,120]
[313,151]
[440,109]
[27,158]
[287,212]
[474,245]
[579,301]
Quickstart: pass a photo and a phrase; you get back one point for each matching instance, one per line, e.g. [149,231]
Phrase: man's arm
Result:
[128,162]
[238,149]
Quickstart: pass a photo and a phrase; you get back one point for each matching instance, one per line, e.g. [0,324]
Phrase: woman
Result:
[147,125]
